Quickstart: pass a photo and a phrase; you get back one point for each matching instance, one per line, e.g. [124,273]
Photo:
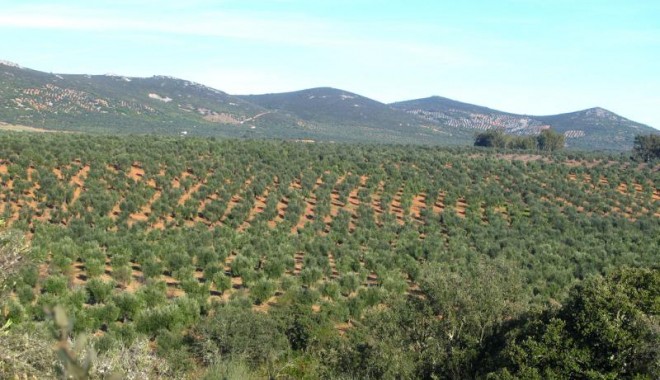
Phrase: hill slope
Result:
[326,109]
[166,105]
[597,128]
[594,128]
[115,104]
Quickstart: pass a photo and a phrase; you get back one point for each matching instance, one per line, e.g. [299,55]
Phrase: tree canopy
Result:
[647,147]
[547,140]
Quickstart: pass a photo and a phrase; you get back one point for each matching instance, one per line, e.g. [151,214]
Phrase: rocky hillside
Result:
[594,128]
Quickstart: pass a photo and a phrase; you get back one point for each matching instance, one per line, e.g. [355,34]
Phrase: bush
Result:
[99,290]
[129,305]
[29,275]
[222,282]
[94,267]
[123,274]
[153,293]
[56,285]
[262,290]
[152,268]
[242,333]
[25,294]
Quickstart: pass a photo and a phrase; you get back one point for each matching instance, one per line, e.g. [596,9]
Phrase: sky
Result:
[534,57]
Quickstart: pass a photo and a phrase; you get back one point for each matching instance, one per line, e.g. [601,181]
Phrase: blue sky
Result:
[525,56]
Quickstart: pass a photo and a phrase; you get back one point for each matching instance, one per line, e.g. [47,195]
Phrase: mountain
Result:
[340,112]
[594,128]
[166,105]
[326,105]
[119,104]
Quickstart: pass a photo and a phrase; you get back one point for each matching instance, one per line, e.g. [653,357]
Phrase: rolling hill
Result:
[171,106]
[118,104]
[594,128]
[340,112]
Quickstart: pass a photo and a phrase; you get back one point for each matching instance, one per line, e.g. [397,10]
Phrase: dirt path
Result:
[333,266]
[189,193]
[235,199]
[310,208]
[335,204]
[136,172]
[258,207]
[298,259]
[145,210]
[461,207]
[395,206]
[418,204]
[376,203]
[282,206]
[255,117]
[439,204]
[78,180]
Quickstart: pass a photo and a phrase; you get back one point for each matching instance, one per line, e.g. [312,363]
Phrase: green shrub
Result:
[152,268]
[25,294]
[29,275]
[99,290]
[56,285]
[262,290]
[153,293]
[222,282]
[122,274]
[94,267]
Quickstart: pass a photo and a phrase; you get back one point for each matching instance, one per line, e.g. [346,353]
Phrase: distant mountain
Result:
[594,128]
[326,105]
[116,104]
[166,105]
[597,128]
[340,112]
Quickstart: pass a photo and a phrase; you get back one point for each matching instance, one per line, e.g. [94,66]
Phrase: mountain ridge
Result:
[591,128]
[162,104]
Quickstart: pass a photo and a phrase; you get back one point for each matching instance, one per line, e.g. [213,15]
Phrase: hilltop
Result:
[594,128]
[171,106]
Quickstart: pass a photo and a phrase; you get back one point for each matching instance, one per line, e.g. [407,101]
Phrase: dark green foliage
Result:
[547,140]
[222,282]
[99,290]
[550,141]
[25,294]
[240,333]
[608,328]
[129,305]
[29,275]
[647,147]
[262,290]
[56,285]
[494,138]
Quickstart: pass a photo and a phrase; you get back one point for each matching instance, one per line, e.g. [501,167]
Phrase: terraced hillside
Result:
[136,235]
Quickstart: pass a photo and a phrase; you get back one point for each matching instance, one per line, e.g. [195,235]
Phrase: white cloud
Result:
[286,29]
